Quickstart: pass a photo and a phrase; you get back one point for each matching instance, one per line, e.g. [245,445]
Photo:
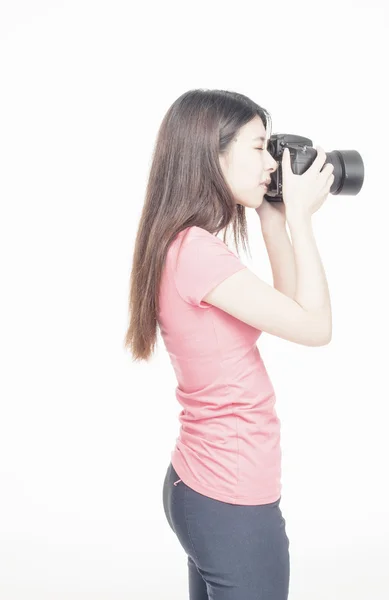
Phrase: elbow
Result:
[326,333]
[329,334]
[325,340]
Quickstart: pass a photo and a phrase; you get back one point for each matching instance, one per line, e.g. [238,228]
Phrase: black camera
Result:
[348,165]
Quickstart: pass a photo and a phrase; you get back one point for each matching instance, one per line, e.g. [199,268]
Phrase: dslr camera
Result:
[348,165]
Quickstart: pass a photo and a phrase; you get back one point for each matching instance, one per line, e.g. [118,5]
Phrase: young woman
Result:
[222,488]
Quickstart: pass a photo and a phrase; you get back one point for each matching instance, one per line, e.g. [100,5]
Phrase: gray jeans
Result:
[235,552]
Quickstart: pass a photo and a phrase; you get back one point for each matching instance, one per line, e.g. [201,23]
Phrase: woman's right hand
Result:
[304,194]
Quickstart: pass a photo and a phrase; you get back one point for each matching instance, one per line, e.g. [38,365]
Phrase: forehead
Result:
[254,131]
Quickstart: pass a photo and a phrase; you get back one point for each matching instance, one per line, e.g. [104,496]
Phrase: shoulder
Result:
[202,236]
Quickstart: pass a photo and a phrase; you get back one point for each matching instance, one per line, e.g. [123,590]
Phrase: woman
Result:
[222,488]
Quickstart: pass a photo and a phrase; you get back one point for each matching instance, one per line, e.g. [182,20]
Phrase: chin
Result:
[258,204]
[252,203]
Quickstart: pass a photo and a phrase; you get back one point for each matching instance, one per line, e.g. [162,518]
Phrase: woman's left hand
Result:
[272,214]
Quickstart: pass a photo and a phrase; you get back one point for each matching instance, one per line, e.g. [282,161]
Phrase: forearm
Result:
[282,261]
[312,291]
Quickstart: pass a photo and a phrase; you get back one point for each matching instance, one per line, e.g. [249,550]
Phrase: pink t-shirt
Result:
[229,442]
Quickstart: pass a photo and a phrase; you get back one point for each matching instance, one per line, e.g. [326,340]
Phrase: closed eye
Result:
[258,148]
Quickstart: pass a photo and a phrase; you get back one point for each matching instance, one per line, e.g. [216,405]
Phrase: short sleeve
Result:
[203,261]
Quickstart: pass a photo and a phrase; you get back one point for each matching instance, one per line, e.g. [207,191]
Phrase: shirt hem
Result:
[211,493]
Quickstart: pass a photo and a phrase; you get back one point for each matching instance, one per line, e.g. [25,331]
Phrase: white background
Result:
[85,433]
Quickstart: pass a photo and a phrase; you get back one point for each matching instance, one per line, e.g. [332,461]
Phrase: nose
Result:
[273,164]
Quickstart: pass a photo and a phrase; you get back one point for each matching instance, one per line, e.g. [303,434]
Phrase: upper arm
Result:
[251,300]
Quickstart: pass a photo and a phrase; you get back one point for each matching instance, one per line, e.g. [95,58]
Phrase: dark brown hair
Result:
[185,187]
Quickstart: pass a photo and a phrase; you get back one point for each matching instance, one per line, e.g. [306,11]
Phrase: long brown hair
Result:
[185,187]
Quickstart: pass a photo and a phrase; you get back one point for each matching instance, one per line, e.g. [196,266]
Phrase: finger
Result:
[320,158]
[286,159]
[327,171]
[328,184]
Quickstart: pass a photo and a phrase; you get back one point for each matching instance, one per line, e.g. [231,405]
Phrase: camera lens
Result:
[348,171]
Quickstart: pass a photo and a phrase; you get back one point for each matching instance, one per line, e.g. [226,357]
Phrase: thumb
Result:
[286,159]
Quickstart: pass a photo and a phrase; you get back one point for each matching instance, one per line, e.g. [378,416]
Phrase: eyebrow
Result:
[259,138]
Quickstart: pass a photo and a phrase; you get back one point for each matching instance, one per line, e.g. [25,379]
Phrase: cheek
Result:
[250,170]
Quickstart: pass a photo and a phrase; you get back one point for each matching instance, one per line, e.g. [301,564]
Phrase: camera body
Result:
[348,165]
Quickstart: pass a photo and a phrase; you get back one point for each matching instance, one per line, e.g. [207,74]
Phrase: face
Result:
[248,163]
